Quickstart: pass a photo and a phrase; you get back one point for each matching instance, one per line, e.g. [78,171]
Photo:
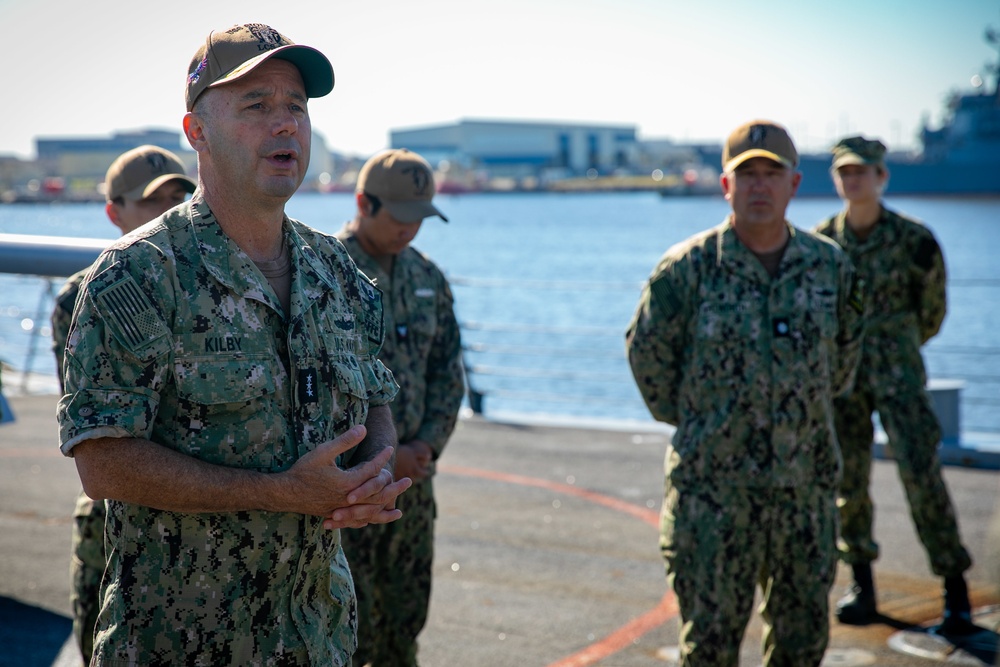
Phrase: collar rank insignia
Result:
[308,386]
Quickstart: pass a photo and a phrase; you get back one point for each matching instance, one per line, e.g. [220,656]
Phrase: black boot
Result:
[858,606]
[957,609]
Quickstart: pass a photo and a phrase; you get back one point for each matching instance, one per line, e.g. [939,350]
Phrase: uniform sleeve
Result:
[655,342]
[62,317]
[445,376]
[115,356]
[851,305]
[931,300]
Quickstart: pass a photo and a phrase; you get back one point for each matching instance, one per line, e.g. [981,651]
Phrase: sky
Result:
[685,70]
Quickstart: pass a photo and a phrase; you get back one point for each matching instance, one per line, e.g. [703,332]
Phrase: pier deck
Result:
[546,553]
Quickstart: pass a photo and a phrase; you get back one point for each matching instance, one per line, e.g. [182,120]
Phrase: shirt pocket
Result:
[729,320]
[415,336]
[822,313]
[226,410]
[349,378]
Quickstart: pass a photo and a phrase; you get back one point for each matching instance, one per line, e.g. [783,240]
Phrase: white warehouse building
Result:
[519,149]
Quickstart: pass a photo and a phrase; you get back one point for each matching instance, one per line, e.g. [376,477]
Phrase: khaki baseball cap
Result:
[230,54]
[404,183]
[858,150]
[136,174]
[759,138]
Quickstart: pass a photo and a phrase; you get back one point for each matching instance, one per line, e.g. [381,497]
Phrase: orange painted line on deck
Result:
[634,629]
[623,636]
[651,517]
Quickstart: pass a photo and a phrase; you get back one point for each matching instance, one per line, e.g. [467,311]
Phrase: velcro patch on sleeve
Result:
[926,252]
[665,296]
[131,315]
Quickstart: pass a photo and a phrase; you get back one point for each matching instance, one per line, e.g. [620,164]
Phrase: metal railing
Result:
[576,365]
[980,389]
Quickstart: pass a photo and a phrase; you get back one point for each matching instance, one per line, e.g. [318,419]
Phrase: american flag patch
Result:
[132,313]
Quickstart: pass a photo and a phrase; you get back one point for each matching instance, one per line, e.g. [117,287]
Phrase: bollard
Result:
[476,401]
[945,400]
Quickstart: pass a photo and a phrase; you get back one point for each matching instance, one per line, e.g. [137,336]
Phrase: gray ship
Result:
[961,158]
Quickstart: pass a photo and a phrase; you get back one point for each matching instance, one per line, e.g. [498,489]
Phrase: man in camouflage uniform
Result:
[142,184]
[742,337]
[221,377]
[391,564]
[902,264]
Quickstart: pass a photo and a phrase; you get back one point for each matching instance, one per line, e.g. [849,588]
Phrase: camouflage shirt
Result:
[179,339]
[422,344]
[745,366]
[904,272]
[62,316]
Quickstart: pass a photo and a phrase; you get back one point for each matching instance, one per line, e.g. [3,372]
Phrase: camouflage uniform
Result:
[88,556]
[179,339]
[746,367]
[391,563]
[62,316]
[903,267]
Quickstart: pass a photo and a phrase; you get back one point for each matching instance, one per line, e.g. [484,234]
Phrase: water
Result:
[545,285]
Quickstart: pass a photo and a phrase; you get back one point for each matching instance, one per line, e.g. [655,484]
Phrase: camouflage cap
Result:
[403,181]
[858,150]
[136,174]
[759,138]
[230,54]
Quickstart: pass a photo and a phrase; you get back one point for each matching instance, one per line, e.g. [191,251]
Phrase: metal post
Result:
[43,312]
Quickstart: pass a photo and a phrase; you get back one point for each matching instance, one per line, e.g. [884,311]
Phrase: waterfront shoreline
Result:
[543,321]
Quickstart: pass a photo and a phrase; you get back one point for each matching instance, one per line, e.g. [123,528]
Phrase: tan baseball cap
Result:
[404,183]
[759,138]
[858,150]
[137,173]
[229,54]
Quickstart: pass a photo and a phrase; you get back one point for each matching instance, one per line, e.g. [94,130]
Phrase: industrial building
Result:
[74,167]
[500,154]
[523,149]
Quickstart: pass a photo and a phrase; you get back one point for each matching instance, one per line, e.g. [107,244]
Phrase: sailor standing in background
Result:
[392,563]
[142,184]
[902,264]
[742,337]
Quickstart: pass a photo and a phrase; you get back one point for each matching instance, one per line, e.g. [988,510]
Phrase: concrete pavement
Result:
[546,553]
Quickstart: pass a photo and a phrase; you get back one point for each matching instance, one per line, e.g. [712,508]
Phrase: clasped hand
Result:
[346,497]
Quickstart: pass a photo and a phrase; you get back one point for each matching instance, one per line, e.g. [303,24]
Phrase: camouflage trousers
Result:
[391,565]
[86,570]
[720,543]
[914,432]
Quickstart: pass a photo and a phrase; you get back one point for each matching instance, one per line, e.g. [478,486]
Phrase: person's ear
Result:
[724,183]
[112,210]
[364,204]
[194,130]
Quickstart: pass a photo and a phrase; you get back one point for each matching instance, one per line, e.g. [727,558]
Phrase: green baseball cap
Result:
[230,54]
[858,150]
